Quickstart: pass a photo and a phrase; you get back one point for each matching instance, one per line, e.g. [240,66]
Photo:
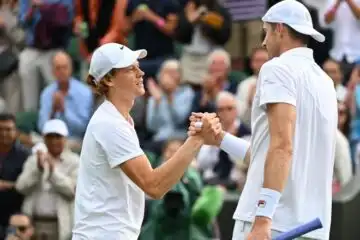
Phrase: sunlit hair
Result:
[100,88]
[168,64]
[224,95]
[222,53]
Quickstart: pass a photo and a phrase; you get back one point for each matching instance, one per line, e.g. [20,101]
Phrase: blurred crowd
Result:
[203,56]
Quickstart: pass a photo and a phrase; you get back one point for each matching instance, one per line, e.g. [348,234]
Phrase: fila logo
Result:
[261,203]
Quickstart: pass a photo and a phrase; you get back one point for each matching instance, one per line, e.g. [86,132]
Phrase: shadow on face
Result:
[333,69]
[62,67]
[22,226]
[7,132]
[55,144]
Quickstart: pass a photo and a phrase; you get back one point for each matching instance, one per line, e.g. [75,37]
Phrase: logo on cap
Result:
[122,47]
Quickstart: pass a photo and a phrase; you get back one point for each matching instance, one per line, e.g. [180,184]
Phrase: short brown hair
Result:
[100,88]
[294,34]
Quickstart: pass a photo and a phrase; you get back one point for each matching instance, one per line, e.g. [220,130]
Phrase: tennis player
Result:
[114,172]
[294,121]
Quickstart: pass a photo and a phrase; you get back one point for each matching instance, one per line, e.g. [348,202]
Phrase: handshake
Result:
[208,127]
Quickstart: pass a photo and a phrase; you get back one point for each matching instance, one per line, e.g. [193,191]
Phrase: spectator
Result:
[215,81]
[20,227]
[343,163]
[219,65]
[67,99]
[258,57]
[12,158]
[48,183]
[333,69]
[95,27]
[48,26]
[11,39]
[169,105]
[153,23]
[203,26]
[343,19]
[216,165]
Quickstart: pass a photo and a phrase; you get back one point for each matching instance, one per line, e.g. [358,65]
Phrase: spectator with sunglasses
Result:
[217,166]
[20,227]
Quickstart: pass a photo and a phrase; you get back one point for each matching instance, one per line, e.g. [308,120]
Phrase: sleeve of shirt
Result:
[277,85]
[120,143]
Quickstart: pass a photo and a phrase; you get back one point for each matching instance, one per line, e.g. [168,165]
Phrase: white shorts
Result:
[242,229]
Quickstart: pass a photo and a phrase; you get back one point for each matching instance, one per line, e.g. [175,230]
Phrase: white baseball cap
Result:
[112,55]
[55,126]
[295,15]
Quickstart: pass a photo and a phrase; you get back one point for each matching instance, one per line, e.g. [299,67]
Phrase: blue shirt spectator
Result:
[78,107]
[167,119]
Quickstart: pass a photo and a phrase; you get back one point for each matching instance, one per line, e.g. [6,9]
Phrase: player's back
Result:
[308,193]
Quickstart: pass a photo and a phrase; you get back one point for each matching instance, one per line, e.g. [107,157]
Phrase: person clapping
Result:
[168,107]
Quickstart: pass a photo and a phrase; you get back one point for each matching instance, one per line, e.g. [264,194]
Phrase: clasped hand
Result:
[211,130]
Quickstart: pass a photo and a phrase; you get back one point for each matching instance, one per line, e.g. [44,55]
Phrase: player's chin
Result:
[140,90]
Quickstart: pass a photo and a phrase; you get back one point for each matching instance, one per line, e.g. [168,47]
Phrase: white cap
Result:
[56,126]
[112,55]
[295,15]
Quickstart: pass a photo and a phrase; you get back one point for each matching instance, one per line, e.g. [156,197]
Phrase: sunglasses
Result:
[21,228]
[229,108]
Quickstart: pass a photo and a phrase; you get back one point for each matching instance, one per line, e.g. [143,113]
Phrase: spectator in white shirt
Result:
[48,183]
[342,16]
[257,59]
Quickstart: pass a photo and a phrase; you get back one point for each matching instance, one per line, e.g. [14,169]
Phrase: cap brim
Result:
[132,58]
[308,31]
[55,132]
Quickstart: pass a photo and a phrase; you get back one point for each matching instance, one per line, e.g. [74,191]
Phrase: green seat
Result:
[153,159]
[237,76]
[26,122]
[73,51]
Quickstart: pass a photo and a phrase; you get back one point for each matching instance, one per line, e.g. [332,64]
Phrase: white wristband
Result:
[267,203]
[234,146]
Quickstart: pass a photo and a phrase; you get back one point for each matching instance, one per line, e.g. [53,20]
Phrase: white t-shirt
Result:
[108,205]
[295,78]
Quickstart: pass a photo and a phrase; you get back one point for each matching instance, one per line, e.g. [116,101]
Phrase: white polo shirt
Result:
[295,78]
[108,205]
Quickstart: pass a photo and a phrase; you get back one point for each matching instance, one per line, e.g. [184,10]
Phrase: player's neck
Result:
[290,45]
[123,104]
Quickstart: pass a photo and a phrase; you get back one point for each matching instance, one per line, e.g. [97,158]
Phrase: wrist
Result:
[234,146]
[262,221]
[160,23]
[220,138]
[196,140]
[268,201]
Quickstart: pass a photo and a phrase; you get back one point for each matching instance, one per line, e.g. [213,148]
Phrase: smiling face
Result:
[129,81]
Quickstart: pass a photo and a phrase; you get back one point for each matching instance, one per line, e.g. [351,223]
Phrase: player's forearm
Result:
[170,172]
[277,167]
